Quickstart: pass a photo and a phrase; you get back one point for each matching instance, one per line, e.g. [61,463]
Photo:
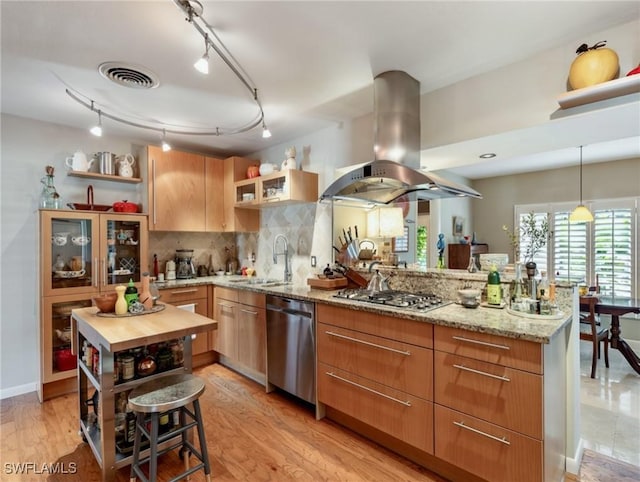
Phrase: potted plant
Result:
[536,232]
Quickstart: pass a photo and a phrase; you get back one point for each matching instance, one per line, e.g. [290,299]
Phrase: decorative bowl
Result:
[106,303]
[500,260]
[469,294]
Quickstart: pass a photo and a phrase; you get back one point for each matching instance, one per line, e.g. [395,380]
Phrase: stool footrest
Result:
[166,436]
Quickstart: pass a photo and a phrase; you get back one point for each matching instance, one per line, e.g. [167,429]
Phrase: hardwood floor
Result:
[251,436]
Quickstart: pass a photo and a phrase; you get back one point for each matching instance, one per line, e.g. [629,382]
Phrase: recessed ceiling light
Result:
[487,155]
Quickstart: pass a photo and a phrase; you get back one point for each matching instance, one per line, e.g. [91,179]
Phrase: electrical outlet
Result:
[314,261]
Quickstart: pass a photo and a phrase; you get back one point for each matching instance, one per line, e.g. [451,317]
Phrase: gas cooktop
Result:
[421,302]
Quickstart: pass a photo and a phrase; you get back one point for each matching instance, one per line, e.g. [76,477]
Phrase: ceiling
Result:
[312,62]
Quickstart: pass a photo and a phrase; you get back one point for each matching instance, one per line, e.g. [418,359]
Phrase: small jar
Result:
[127,367]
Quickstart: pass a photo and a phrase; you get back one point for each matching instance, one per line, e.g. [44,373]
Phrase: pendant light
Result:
[581,214]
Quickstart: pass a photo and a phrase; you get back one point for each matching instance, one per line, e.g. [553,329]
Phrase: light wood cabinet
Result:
[379,370]
[459,254]
[194,299]
[494,396]
[176,190]
[221,212]
[279,188]
[485,449]
[241,334]
[96,252]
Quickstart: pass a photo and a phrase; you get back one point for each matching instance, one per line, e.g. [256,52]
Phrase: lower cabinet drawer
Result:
[486,450]
[510,398]
[396,413]
[183,293]
[398,365]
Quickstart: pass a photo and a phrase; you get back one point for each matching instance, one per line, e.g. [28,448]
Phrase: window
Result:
[605,250]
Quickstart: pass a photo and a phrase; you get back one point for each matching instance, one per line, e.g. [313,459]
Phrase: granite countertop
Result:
[482,319]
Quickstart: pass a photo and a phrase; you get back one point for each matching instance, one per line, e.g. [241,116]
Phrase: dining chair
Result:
[593,332]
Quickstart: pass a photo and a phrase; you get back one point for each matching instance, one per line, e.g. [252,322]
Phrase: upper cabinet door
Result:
[69,252]
[222,215]
[176,190]
[123,249]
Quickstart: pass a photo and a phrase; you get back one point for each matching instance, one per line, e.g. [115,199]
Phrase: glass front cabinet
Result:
[82,254]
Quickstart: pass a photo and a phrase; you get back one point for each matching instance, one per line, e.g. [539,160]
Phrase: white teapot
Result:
[78,162]
[125,165]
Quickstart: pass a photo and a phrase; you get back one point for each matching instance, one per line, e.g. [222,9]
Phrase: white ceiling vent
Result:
[129,75]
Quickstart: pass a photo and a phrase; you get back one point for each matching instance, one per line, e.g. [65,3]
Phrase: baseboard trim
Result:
[572,465]
[17,390]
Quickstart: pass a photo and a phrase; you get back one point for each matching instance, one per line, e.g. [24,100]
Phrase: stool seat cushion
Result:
[166,393]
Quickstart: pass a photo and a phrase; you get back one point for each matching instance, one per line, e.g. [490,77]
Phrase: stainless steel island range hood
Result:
[395,170]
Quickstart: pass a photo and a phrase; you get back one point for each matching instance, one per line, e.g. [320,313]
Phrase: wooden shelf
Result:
[104,177]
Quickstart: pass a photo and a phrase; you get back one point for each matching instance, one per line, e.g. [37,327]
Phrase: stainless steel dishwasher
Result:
[291,346]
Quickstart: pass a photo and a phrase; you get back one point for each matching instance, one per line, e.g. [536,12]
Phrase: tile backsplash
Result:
[307,228]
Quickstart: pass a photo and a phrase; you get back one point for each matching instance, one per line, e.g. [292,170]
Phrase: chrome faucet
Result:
[285,253]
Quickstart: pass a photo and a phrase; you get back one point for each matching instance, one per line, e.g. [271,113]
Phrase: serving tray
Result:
[154,309]
[556,316]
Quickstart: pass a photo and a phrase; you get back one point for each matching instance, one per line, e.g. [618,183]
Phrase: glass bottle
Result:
[543,285]
[494,289]
[49,197]
[131,293]
[518,289]
[472,267]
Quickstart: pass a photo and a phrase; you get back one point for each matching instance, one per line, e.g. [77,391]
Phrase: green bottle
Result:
[494,289]
[131,293]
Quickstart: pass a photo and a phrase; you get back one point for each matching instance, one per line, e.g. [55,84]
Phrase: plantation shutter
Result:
[613,251]
[570,250]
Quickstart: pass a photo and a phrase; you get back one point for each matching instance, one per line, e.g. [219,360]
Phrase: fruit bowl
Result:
[106,303]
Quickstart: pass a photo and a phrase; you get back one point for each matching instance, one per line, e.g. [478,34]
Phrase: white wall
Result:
[27,147]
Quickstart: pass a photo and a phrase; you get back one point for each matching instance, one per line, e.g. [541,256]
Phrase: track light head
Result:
[97,129]
[266,133]
[166,147]
[202,65]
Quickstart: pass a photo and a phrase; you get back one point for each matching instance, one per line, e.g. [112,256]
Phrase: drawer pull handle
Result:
[484,343]
[488,435]
[473,370]
[254,313]
[338,335]
[222,305]
[182,292]
[406,404]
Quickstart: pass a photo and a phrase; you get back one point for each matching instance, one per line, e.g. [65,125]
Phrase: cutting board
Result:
[327,283]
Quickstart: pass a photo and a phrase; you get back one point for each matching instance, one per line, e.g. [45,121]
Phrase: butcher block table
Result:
[110,335]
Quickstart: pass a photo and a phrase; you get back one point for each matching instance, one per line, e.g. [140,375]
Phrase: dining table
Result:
[616,307]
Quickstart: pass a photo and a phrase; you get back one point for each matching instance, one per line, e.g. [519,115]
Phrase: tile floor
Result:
[610,406]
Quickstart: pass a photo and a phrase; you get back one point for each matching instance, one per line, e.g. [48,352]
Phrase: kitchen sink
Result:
[258,281]
[264,282]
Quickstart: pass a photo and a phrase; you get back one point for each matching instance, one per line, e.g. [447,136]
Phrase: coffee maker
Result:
[184,264]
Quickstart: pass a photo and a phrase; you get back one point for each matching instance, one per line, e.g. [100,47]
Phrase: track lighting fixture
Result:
[581,214]
[97,129]
[165,145]
[202,65]
[193,10]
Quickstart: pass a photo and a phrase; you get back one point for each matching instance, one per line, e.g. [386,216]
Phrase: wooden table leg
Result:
[619,344]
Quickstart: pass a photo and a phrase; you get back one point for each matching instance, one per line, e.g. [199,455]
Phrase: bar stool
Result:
[173,392]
